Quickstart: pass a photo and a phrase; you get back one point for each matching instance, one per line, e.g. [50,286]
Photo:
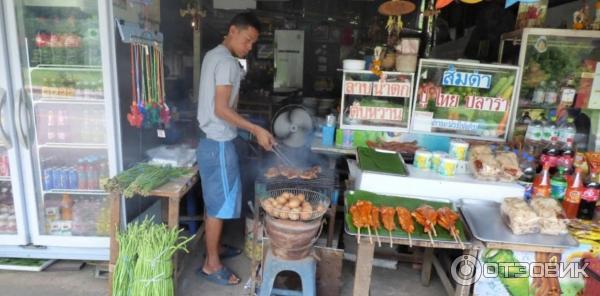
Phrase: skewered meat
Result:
[426,216]
[356,218]
[292,173]
[406,222]
[375,218]
[272,173]
[387,217]
[308,175]
[447,219]
[401,147]
[365,212]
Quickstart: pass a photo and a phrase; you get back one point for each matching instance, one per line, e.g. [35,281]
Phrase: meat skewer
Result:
[426,216]
[406,222]
[376,223]
[447,219]
[365,210]
[387,217]
[356,220]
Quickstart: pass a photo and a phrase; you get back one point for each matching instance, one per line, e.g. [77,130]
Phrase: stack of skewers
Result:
[365,215]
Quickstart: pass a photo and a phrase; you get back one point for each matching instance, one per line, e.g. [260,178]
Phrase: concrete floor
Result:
[404,281]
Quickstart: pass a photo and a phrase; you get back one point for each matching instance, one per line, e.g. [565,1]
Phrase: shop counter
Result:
[429,184]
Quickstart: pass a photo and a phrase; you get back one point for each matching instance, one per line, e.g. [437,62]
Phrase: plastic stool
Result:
[305,268]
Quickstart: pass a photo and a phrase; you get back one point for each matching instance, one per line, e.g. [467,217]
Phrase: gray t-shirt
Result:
[219,67]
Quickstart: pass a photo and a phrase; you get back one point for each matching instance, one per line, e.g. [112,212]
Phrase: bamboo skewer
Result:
[433,228]
[391,245]
[430,238]
[370,236]
[358,236]
[409,240]
[378,239]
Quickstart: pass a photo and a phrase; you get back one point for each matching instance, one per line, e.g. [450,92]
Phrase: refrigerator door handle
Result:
[24,135]
[3,134]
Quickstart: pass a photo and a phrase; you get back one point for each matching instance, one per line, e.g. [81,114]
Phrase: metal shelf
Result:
[75,191]
[66,100]
[73,146]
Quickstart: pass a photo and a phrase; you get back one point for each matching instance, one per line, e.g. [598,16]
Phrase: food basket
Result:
[295,204]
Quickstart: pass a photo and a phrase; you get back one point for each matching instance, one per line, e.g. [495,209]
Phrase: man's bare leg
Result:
[213,229]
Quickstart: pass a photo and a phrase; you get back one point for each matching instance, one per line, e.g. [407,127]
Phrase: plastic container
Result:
[458,149]
[423,159]
[437,159]
[353,65]
[448,167]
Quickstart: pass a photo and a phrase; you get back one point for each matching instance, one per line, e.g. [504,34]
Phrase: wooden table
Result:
[366,250]
[171,194]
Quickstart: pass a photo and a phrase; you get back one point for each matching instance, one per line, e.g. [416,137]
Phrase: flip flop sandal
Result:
[220,277]
[228,252]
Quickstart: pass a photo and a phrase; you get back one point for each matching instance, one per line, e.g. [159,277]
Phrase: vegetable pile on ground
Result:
[144,265]
[143,178]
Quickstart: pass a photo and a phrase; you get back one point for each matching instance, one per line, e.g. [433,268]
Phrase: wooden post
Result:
[426,271]
[364,266]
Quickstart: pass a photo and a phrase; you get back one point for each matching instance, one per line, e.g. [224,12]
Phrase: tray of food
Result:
[381,161]
[516,222]
[370,214]
[290,173]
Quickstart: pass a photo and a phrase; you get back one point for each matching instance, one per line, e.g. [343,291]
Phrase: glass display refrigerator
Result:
[59,130]
[559,80]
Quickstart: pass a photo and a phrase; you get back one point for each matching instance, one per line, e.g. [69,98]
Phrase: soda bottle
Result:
[61,126]
[82,174]
[541,186]
[567,93]
[66,207]
[92,174]
[51,127]
[73,178]
[48,178]
[558,185]
[573,196]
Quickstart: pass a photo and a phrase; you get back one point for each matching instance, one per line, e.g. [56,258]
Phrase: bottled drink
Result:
[589,198]
[528,176]
[82,174]
[533,136]
[567,93]
[573,196]
[541,186]
[539,94]
[61,126]
[66,207]
[567,133]
[49,178]
[551,96]
[558,185]
[51,127]
[92,174]
[73,178]
[550,131]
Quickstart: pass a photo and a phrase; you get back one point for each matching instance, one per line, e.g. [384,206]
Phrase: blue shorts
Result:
[220,176]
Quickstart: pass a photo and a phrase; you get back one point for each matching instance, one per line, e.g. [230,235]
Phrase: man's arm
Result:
[223,111]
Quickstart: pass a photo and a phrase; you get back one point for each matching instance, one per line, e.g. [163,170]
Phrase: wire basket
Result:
[295,204]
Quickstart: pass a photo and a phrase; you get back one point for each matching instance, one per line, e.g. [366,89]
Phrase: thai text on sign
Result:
[356,111]
[486,103]
[447,100]
[474,79]
[378,89]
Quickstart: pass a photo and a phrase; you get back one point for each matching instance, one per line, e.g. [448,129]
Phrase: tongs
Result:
[282,157]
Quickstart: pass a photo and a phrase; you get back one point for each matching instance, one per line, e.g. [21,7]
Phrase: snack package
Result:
[593,160]
[509,166]
[483,163]
[519,217]
[551,216]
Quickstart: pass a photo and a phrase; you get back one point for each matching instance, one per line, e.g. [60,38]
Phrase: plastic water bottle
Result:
[566,133]
[550,131]
[533,136]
